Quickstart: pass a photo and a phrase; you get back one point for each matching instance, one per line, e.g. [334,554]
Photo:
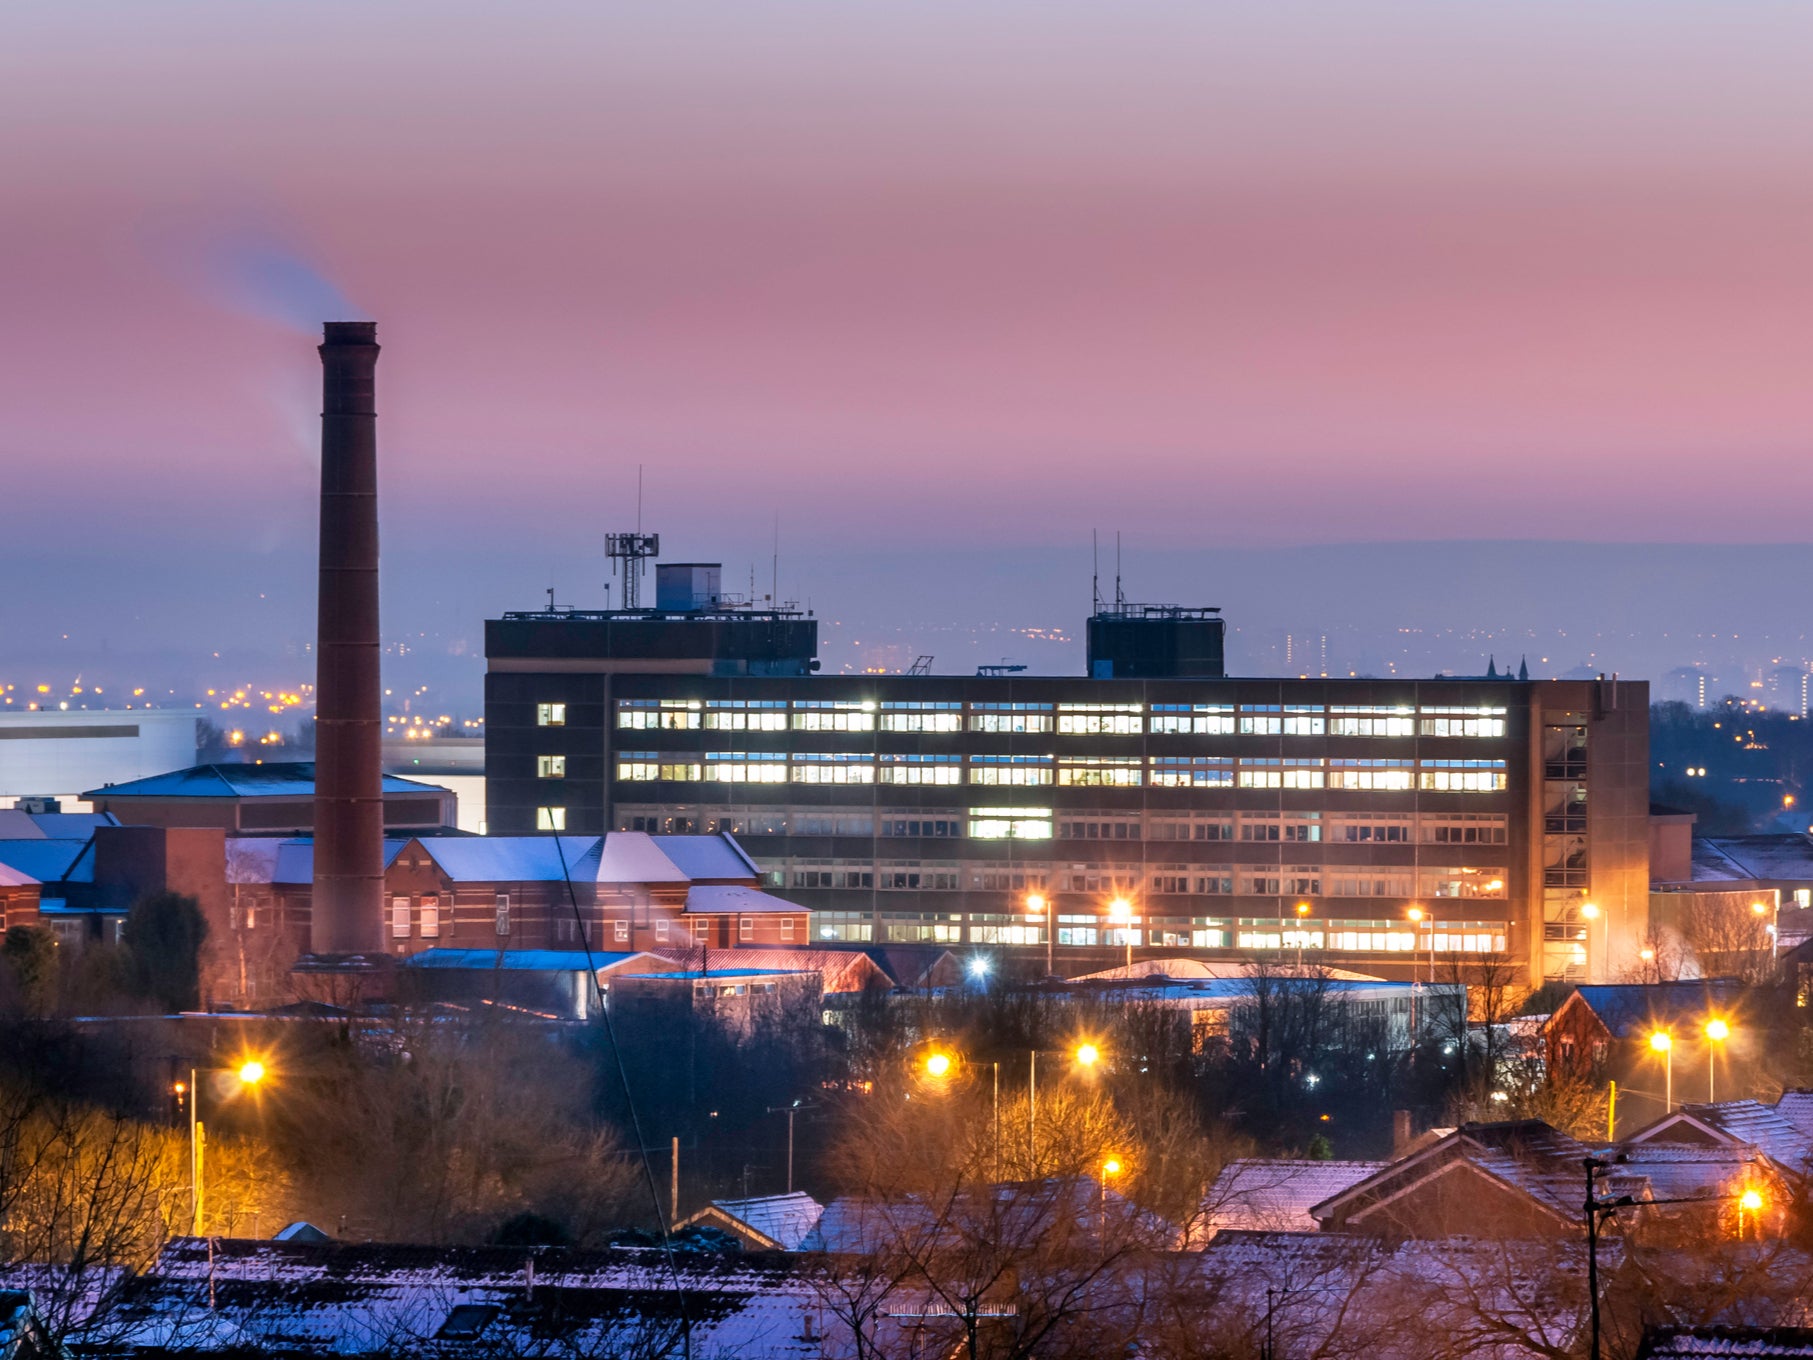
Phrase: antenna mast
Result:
[1095,579]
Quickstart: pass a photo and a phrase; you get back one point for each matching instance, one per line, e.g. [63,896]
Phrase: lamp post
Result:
[1036,902]
[1303,910]
[1084,1055]
[1111,1166]
[1717,1031]
[1663,1042]
[250,1073]
[1590,911]
[1120,910]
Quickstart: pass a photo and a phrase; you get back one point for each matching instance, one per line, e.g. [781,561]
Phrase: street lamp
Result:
[1303,910]
[1037,905]
[1752,1201]
[1589,911]
[1717,1031]
[1120,910]
[249,1073]
[1110,1167]
[1663,1042]
[1084,1055]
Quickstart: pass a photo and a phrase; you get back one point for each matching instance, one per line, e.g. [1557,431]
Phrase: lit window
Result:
[661,930]
[1288,720]
[832,767]
[745,927]
[921,717]
[746,767]
[658,713]
[1372,775]
[1462,776]
[1100,771]
[746,715]
[550,715]
[1023,771]
[918,769]
[1010,718]
[1200,772]
[1195,719]
[550,819]
[786,927]
[1025,824]
[834,715]
[1462,722]
[503,913]
[622,930]
[1371,720]
[399,917]
[431,918]
[1100,719]
[550,767]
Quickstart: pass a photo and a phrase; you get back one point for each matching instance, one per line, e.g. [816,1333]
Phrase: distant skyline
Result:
[923,279]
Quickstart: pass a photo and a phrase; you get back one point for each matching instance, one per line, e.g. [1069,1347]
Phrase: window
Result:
[1486,883]
[832,873]
[1016,770]
[1024,824]
[551,767]
[921,717]
[1462,776]
[1170,878]
[1357,829]
[1465,828]
[1462,722]
[1198,772]
[1361,881]
[786,927]
[503,913]
[661,930]
[550,715]
[638,765]
[399,917]
[752,767]
[431,918]
[1287,720]
[1372,775]
[622,931]
[701,931]
[1100,719]
[914,876]
[1288,773]
[550,819]
[1371,721]
[1010,718]
[745,927]
[834,715]
[746,715]
[1011,877]
[1218,882]
[1100,829]
[658,713]
[1099,771]
[1195,719]
[917,769]
[833,767]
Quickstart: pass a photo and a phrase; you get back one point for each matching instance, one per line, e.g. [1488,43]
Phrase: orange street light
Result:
[1663,1042]
[1036,905]
[1088,1054]
[251,1072]
[1761,909]
[1120,910]
[938,1065]
[1111,1167]
[1717,1031]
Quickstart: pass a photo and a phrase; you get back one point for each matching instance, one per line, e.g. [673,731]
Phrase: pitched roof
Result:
[720,898]
[783,1220]
[1732,1123]
[1525,1155]
[48,861]
[843,970]
[514,859]
[1727,1343]
[1263,1194]
[708,857]
[273,779]
[530,960]
[1627,1007]
[633,857]
[36,826]
[14,878]
[1754,857]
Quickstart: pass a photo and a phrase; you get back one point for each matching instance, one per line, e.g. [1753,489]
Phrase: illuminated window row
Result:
[1068,719]
[861,767]
[1040,823]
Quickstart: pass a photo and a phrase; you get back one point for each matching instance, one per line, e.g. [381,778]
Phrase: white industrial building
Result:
[57,754]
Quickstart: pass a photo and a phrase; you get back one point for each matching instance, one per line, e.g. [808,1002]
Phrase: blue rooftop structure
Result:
[275,779]
[59,861]
[523,960]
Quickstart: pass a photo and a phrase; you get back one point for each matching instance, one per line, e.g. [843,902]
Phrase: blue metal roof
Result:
[518,960]
[1622,1007]
[50,861]
[275,779]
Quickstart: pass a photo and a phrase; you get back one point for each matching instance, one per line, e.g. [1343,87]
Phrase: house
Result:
[1009,1216]
[1782,1131]
[232,1297]
[1256,1194]
[23,1335]
[1726,1343]
[765,1223]
[556,984]
[271,798]
[1609,1030]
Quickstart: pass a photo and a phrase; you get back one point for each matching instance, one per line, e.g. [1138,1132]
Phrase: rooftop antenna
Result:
[1095,579]
[1120,600]
[774,597]
[630,551]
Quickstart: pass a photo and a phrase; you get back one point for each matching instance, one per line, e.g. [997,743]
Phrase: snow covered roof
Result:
[781,1221]
[56,826]
[297,1297]
[1753,858]
[633,857]
[514,859]
[529,960]
[703,858]
[720,898]
[1262,1194]
[1202,970]
[843,970]
[1727,1343]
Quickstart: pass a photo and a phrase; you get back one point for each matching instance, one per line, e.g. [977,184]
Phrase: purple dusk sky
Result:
[914,273]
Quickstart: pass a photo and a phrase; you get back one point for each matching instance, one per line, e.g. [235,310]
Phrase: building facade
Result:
[1388,824]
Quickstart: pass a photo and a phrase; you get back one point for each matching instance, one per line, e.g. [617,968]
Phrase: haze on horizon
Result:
[947,287]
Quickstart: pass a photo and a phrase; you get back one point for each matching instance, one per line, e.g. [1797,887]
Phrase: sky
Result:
[927,281]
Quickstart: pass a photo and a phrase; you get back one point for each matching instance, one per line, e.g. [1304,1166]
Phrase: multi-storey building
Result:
[1394,825]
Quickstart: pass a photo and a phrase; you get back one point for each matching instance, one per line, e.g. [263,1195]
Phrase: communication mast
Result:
[628,552]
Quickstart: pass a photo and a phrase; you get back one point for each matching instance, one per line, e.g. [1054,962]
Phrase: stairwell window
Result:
[550,715]
[550,819]
[550,767]
[503,913]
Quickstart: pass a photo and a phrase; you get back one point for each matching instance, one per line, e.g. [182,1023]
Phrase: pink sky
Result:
[925,272]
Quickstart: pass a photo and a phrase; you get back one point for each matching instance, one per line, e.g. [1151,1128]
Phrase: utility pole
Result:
[673,1193]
